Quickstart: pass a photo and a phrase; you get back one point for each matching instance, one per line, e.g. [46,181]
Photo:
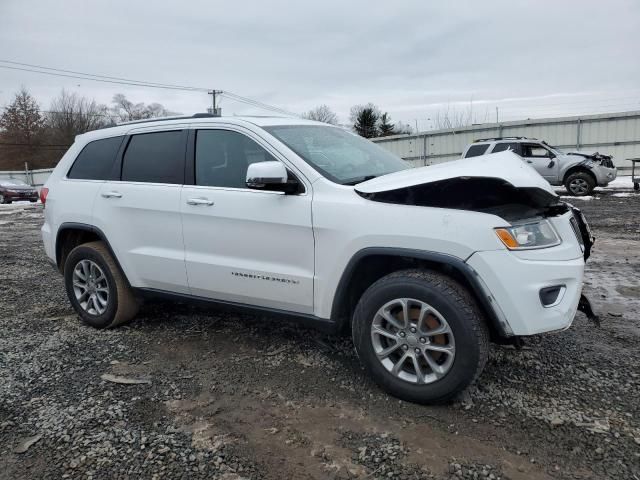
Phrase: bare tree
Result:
[322,113]
[452,117]
[403,129]
[125,111]
[22,121]
[71,115]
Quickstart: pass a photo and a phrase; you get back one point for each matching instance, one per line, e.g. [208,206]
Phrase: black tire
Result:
[121,306]
[456,305]
[580,184]
[4,200]
[636,186]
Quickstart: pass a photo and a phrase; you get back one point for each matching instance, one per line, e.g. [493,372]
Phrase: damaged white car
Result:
[304,220]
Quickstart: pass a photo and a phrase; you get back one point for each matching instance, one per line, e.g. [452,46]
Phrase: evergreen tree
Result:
[385,127]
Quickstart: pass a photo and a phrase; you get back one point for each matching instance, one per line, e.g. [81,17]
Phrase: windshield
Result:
[340,156]
[552,148]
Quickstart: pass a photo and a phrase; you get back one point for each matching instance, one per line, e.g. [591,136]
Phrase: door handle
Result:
[529,161]
[200,201]
[112,195]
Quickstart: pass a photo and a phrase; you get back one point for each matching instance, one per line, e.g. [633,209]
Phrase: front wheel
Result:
[420,336]
[96,287]
[580,184]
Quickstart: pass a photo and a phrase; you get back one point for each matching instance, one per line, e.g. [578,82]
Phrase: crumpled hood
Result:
[504,165]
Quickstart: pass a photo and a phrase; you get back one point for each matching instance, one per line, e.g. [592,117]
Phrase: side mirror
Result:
[269,176]
[551,164]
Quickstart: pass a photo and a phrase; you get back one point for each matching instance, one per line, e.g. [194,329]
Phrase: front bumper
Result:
[515,284]
[604,175]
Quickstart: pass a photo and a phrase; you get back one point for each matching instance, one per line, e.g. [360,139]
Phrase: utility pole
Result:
[216,112]
[497,121]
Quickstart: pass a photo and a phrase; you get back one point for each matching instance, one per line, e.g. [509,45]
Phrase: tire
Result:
[580,184]
[4,200]
[468,335]
[121,305]
[636,186]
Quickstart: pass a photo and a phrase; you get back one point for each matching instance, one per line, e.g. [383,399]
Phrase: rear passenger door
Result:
[139,211]
[245,246]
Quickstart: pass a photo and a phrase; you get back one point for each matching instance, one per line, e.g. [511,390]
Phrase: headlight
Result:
[538,234]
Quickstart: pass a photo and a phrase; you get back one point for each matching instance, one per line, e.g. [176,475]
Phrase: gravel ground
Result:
[231,396]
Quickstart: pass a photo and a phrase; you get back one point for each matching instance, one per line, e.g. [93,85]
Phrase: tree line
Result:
[366,120]
[40,137]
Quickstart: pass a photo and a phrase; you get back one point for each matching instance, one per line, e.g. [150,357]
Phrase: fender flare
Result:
[87,228]
[479,290]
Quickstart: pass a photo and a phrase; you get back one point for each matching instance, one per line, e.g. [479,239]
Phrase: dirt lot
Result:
[249,397]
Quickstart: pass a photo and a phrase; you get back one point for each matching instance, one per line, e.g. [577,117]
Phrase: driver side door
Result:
[542,159]
[246,246]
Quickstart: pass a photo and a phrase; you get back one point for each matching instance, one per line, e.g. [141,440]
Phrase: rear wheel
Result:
[580,184]
[97,288]
[420,336]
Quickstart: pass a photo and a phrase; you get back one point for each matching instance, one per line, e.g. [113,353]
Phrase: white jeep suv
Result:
[424,266]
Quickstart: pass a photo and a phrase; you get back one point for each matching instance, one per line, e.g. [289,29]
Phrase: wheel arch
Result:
[71,234]
[578,168]
[371,264]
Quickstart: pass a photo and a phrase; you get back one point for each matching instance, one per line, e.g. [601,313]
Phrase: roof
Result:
[506,139]
[198,119]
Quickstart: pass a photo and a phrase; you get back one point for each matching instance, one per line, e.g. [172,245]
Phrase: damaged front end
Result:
[599,158]
[498,184]
[514,192]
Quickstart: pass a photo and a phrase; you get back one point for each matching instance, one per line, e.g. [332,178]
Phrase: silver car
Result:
[579,172]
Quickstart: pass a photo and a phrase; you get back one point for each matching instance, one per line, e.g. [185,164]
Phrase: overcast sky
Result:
[412,58]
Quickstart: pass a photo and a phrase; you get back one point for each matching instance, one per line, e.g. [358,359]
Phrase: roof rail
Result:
[503,138]
[162,119]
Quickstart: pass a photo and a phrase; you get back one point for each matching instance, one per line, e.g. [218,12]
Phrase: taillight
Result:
[44,191]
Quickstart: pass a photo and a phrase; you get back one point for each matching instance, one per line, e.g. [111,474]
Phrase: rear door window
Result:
[476,150]
[95,161]
[156,157]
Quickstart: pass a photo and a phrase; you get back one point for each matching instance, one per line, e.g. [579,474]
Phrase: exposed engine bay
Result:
[480,194]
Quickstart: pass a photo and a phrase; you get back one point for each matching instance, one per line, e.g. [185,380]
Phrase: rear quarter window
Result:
[476,150]
[95,161]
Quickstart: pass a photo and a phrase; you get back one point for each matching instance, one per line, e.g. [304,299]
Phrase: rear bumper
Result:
[515,284]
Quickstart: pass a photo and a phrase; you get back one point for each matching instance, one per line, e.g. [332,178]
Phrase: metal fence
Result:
[32,177]
[616,134]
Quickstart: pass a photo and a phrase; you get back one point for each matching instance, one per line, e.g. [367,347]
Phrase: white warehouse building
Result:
[616,134]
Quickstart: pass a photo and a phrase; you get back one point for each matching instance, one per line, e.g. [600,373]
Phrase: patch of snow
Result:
[586,198]
[624,194]
[623,181]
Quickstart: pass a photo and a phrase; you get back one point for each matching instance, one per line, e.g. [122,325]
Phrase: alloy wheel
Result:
[578,186]
[90,287]
[413,341]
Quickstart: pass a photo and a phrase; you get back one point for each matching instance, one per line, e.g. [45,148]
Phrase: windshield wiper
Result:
[355,181]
